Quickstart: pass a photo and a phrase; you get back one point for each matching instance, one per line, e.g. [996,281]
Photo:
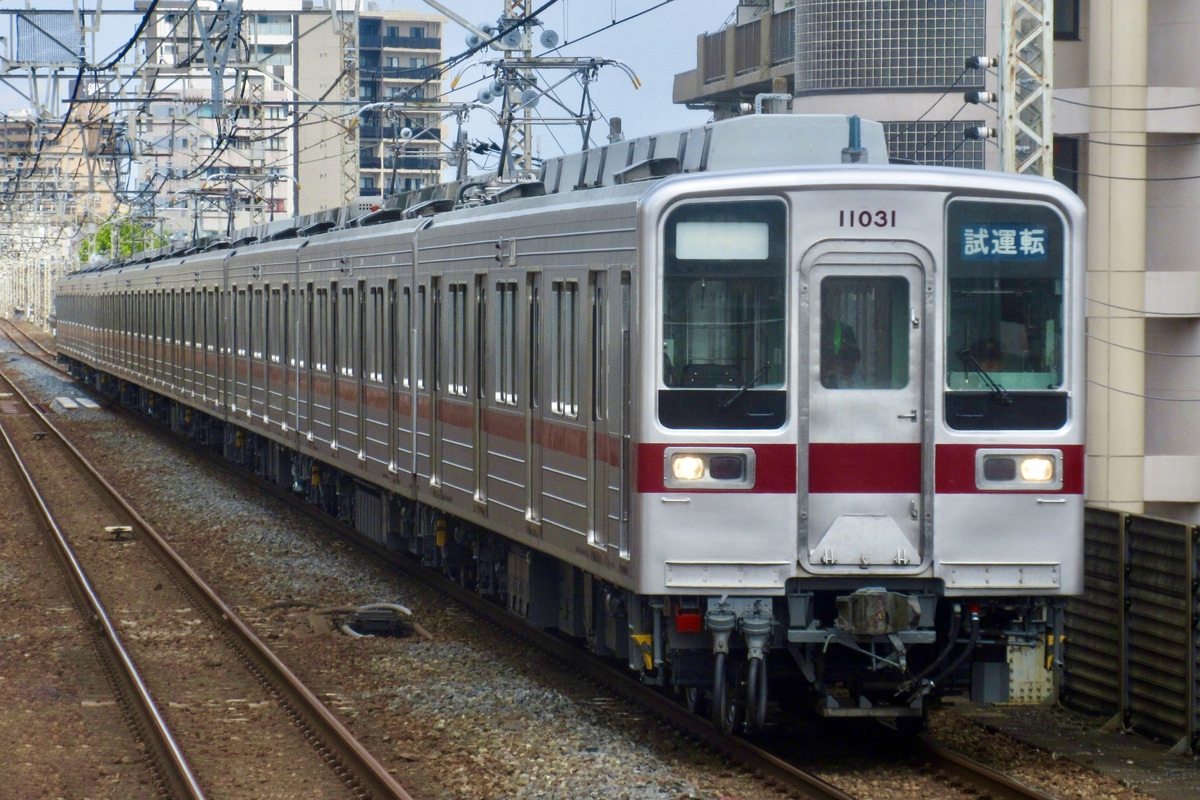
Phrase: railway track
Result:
[946,774]
[27,343]
[943,773]
[189,671]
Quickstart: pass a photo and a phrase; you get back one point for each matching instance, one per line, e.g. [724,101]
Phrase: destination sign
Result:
[1022,241]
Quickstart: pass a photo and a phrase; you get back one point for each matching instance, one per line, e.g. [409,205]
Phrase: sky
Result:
[656,46]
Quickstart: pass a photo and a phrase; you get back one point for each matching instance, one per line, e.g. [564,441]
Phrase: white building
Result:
[243,112]
[1127,137]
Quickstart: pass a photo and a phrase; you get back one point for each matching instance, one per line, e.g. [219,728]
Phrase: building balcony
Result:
[377,42]
[739,62]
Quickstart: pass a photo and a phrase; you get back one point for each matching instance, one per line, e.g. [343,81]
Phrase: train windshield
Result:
[724,286]
[1004,345]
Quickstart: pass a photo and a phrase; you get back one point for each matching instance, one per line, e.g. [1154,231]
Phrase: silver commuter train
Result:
[775,420]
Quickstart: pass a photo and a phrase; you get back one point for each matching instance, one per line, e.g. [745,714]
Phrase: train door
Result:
[211,360]
[434,382]
[304,356]
[259,309]
[533,406]
[624,466]
[601,440]
[332,322]
[350,375]
[322,366]
[392,343]
[866,498]
[479,393]
[241,351]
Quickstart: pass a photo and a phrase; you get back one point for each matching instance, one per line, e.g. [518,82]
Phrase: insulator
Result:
[979,97]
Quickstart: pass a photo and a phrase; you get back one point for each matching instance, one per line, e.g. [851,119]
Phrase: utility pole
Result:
[1026,87]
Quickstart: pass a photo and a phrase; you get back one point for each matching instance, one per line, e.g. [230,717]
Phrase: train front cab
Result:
[865,445]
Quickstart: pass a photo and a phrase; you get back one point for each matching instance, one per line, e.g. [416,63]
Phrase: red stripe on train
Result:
[871,468]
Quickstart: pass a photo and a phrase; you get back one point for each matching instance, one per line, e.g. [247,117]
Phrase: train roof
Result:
[761,140]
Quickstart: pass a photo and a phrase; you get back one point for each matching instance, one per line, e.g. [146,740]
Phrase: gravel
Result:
[468,714]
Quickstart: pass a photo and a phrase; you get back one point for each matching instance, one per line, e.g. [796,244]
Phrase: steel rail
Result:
[11,326]
[987,781]
[328,736]
[768,766]
[168,763]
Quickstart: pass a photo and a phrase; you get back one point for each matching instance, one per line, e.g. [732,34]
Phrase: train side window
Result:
[404,334]
[277,346]
[320,353]
[257,326]
[347,334]
[506,343]
[420,343]
[598,349]
[565,367]
[864,333]
[457,383]
[481,323]
[377,335]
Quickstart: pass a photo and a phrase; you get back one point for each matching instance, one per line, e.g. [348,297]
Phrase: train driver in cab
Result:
[840,354]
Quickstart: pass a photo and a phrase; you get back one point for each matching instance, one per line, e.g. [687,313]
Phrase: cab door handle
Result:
[910,415]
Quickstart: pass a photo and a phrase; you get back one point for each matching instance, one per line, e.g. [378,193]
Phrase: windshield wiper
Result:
[758,376]
[998,391]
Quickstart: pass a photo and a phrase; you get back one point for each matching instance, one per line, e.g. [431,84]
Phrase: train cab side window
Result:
[724,315]
[1004,317]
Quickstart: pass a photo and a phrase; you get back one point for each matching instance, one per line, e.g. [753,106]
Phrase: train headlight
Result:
[1017,470]
[687,467]
[715,468]
[1037,469]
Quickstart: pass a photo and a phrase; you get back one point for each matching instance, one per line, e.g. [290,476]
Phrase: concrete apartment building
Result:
[1126,121]
[226,153]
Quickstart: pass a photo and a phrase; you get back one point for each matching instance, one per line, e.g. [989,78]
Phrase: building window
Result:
[1066,162]
[1066,20]
[935,143]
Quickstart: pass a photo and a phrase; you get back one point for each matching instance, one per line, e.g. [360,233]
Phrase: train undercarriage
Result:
[841,649]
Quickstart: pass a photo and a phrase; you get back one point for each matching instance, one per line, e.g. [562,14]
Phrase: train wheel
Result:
[756,694]
[726,708]
[693,699]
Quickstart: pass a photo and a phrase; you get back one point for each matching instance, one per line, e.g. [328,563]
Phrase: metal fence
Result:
[1133,639]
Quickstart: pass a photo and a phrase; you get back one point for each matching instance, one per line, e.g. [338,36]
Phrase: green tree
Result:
[132,236]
